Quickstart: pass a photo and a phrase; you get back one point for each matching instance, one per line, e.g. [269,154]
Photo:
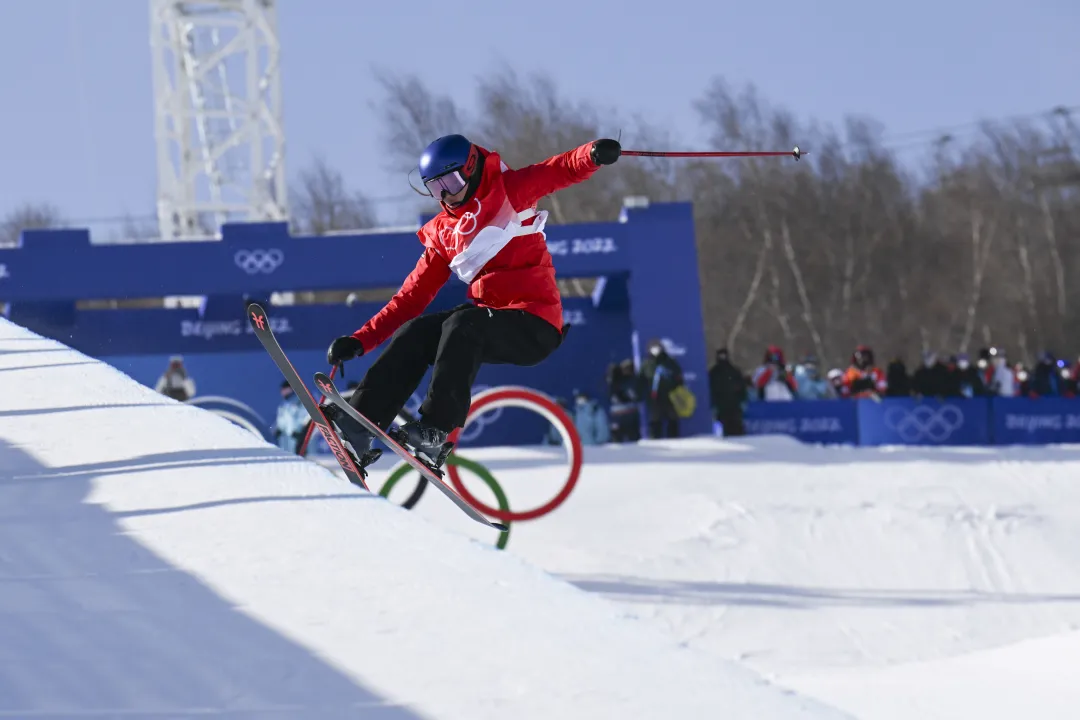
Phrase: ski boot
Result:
[427,444]
[356,437]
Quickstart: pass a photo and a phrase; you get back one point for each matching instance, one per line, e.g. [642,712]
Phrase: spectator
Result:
[590,420]
[1046,380]
[1023,380]
[835,378]
[727,392]
[967,378]
[932,379]
[174,382]
[863,379]
[995,374]
[624,398]
[808,381]
[552,436]
[1068,380]
[1000,378]
[290,426]
[772,380]
[661,374]
[897,380]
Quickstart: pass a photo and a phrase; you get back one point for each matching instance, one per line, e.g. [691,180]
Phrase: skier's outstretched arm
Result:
[524,187]
[416,293]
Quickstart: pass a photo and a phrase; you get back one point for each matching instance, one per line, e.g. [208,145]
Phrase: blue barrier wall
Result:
[649,288]
[809,421]
[1019,421]
[908,421]
[222,362]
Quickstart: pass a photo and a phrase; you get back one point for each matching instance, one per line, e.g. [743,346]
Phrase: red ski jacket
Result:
[495,242]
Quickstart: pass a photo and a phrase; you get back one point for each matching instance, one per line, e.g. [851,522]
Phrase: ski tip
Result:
[500,527]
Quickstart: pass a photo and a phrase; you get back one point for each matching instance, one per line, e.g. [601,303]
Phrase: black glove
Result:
[344,348]
[606,151]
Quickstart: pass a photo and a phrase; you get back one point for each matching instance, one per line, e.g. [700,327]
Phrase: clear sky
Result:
[77,115]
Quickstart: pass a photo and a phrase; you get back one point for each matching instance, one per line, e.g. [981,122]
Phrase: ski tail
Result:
[326,385]
[260,323]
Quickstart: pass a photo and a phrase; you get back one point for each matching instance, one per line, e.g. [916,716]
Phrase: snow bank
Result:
[156,560]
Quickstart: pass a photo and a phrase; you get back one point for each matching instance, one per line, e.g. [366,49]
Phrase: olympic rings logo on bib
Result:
[469,220]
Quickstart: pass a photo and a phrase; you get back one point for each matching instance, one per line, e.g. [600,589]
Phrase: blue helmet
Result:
[448,153]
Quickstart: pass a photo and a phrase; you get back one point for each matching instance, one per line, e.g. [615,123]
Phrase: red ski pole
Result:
[302,449]
[796,153]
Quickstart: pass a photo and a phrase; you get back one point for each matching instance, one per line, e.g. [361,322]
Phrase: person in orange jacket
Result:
[863,379]
[490,234]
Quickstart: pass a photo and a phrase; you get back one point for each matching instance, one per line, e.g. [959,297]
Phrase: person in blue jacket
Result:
[291,422]
[810,384]
[590,419]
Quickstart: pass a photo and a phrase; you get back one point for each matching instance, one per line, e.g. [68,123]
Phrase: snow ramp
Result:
[159,561]
[893,583]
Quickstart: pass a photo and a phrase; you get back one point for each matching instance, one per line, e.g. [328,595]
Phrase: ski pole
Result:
[796,153]
[311,425]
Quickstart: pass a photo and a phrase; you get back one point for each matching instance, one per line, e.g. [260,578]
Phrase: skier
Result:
[490,234]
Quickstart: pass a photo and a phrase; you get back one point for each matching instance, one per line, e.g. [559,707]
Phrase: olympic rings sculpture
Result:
[484,402]
[453,461]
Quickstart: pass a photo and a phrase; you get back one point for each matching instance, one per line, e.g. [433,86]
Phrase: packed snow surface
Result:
[158,561]
[892,583]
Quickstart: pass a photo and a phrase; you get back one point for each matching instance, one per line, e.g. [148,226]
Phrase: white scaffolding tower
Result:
[218,117]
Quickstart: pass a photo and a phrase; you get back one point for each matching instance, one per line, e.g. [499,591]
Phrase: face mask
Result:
[655,350]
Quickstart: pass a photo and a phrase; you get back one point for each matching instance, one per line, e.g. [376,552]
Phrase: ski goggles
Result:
[451,183]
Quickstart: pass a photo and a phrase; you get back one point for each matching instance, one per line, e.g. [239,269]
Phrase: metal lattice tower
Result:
[218,117]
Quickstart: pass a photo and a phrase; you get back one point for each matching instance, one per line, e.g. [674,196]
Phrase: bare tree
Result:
[29,216]
[321,203]
[412,116]
[852,245]
[525,119]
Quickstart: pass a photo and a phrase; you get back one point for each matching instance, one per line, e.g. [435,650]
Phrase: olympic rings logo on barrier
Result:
[259,261]
[924,422]
[483,403]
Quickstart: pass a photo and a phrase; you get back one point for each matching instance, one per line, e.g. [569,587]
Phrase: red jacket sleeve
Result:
[416,293]
[524,187]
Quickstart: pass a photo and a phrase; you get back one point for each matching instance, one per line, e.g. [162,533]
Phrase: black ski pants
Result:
[456,342]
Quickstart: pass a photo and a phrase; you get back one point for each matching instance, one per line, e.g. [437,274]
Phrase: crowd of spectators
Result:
[937,376]
[649,393]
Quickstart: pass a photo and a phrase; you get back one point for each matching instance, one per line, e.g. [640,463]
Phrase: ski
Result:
[260,323]
[327,387]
